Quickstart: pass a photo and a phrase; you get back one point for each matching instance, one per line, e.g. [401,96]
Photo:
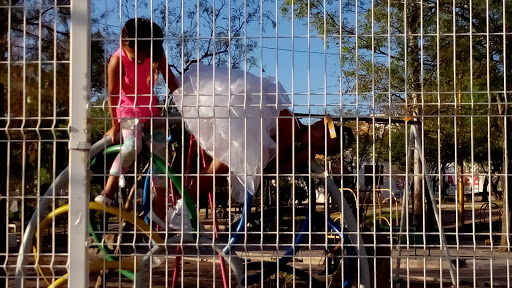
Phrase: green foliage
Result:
[381,65]
[36,81]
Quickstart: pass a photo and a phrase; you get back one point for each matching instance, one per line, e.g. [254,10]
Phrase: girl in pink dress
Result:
[132,73]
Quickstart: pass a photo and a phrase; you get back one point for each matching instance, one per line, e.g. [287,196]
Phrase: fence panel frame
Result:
[79,144]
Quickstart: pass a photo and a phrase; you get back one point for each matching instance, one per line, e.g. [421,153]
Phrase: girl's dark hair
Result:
[137,31]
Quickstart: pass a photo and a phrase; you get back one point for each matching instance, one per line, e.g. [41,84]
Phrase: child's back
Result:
[137,99]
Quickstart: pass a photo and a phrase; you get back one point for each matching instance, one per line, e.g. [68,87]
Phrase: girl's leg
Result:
[287,133]
[157,142]
[320,142]
[110,188]
[132,144]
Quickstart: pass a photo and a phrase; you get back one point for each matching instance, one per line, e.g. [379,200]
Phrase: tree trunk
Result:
[485,194]
[506,128]
[430,220]
[507,188]
[414,84]
[494,186]
[3,187]
[3,33]
[3,148]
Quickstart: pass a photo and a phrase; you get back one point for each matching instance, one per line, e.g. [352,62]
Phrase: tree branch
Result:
[206,55]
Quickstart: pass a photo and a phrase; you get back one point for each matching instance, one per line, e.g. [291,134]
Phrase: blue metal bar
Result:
[146,197]
[241,224]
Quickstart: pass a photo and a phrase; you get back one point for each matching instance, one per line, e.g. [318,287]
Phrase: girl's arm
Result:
[113,83]
[165,69]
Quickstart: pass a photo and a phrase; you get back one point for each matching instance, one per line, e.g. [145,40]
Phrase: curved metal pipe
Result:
[351,223]
[43,208]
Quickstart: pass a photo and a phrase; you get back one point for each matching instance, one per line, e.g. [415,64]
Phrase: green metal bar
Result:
[107,252]
[187,199]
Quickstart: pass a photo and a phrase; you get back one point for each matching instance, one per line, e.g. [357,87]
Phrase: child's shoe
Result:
[104,200]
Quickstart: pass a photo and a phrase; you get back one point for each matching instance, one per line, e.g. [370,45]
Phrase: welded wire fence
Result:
[248,143]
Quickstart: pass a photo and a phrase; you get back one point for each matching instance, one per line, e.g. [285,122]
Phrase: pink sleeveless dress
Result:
[137,99]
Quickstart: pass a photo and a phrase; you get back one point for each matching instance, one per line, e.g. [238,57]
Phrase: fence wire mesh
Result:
[255,143]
